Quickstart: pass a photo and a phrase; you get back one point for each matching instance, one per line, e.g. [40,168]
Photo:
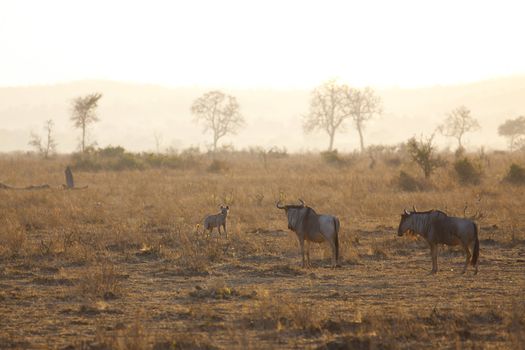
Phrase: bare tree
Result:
[458,123]
[158,140]
[219,113]
[362,105]
[514,130]
[327,110]
[84,113]
[331,104]
[49,147]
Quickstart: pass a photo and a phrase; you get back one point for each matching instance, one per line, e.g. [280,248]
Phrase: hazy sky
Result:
[261,43]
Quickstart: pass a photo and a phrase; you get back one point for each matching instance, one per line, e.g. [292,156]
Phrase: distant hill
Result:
[130,115]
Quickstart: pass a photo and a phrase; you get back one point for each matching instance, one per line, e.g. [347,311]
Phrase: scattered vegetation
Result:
[424,154]
[217,166]
[334,158]
[514,131]
[408,183]
[118,159]
[468,172]
[515,175]
[125,263]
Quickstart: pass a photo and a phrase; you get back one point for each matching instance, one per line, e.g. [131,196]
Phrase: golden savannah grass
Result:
[125,264]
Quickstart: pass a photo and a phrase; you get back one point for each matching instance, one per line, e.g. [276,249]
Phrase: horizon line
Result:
[258,87]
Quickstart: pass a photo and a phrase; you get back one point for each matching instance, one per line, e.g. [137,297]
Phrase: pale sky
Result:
[273,44]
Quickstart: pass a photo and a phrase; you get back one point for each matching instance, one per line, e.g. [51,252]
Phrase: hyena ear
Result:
[228,207]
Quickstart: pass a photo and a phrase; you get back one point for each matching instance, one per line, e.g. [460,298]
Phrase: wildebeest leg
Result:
[334,259]
[433,252]
[225,232]
[308,254]
[468,256]
[301,243]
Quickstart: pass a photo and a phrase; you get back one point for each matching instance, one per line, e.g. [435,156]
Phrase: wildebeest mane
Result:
[310,221]
[429,211]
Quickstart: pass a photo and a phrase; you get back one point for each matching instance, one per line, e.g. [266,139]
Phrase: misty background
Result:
[152,59]
[133,115]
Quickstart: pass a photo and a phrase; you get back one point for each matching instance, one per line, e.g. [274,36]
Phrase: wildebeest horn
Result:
[302,202]
[414,208]
[406,212]
[277,205]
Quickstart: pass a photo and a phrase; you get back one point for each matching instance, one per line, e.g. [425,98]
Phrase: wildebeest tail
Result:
[475,255]
[336,226]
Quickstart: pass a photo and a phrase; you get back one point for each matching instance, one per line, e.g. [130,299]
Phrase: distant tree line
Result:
[332,108]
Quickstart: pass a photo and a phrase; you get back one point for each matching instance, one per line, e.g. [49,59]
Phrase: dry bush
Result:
[281,312]
[515,175]
[101,281]
[516,325]
[408,183]
[467,172]
[13,237]
[348,252]
[335,159]
[218,166]
[134,337]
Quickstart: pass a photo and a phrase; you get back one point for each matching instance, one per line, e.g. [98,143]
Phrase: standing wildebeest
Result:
[311,227]
[439,228]
[217,220]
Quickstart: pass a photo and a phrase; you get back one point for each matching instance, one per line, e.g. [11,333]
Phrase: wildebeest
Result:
[439,228]
[311,227]
[217,220]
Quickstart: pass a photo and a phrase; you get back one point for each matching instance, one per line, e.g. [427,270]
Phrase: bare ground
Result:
[383,297]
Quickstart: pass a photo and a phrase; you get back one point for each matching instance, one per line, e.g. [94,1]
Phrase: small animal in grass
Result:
[217,220]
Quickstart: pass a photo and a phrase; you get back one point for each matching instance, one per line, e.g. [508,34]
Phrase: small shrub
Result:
[423,153]
[393,161]
[111,151]
[273,312]
[276,152]
[468,173]
[516,175]
[103,281]
[460,152]
[13,237]
[334,158]
[218,166]
[408,183]
[117,159]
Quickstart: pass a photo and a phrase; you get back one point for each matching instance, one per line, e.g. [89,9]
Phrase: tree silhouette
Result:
[458,123]
[84,113]
[49,147]
[513,130]
[362,105]
[331,104]
[327,110]
[219,113]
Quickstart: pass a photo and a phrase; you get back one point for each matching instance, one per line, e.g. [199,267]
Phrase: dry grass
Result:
[123,264]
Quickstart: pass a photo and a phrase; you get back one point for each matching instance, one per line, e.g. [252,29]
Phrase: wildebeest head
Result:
[292,212]
[300,217]
[405,223]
